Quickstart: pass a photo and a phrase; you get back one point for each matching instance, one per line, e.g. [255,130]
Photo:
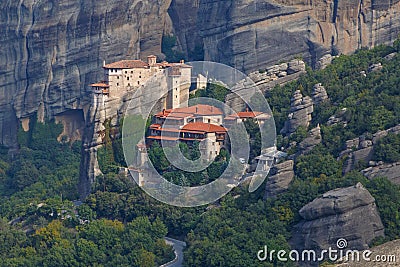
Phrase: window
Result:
[132,72]
[126,72]
[209,120]
[117,77]
[129,84]
[140,77]
[127,78]
[213,143]
[117,84]
[138,82]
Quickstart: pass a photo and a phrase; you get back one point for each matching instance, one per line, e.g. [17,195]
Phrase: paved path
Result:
[178,249]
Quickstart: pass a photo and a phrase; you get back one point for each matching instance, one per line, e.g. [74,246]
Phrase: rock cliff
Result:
[51,50]
[246,34]
[348,213]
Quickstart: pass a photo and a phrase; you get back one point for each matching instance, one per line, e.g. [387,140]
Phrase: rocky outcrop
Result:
[267,79]
[313,138]
[375,67]
[319,94]
[51,51]
[390,171]
[348,213]
[361,149]
[324,61]
[388,252]
[301,109]
[281,175]
[246,34]
[338,118]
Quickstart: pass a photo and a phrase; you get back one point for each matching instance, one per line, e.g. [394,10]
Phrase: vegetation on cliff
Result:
[119,225]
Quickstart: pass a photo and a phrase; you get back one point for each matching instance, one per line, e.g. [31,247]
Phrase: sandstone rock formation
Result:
[281,175]
[385,251]
[51,51]
[390,171]
[278,74]
[319,94]
[300,113]
[348,213]
[245,34]
[361,149]
[324,61]
[314,137]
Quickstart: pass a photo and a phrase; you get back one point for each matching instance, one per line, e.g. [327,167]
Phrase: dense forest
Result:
[43,224]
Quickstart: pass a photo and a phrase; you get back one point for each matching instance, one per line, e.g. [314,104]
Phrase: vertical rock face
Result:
[51,50]
[348,213]
[301,109]
[319,94]
[282,175]
[246,34]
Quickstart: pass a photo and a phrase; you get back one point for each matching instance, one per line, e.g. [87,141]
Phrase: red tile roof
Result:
[204,127]
[135,64]
[197,110]
[102,85]
[127,64]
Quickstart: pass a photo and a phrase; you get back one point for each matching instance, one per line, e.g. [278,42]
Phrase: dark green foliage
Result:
[316,164]
[387,197]
[37,185]
[215,91]
[99,243]
[388,149]
[183,178]
[168,47]
[197,54]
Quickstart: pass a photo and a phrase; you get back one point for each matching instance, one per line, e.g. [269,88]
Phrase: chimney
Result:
[151,60]
[182,61]
[104,63]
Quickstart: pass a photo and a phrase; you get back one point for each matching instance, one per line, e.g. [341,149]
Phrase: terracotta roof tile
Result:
[127,64]
[102,85]
[197,110]
[204,127]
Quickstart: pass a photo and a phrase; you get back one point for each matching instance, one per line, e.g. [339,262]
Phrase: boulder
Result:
[347,213]
[324,61]
[390,171]
[282,175]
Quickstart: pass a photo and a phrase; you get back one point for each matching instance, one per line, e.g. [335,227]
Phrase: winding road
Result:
[178,249]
